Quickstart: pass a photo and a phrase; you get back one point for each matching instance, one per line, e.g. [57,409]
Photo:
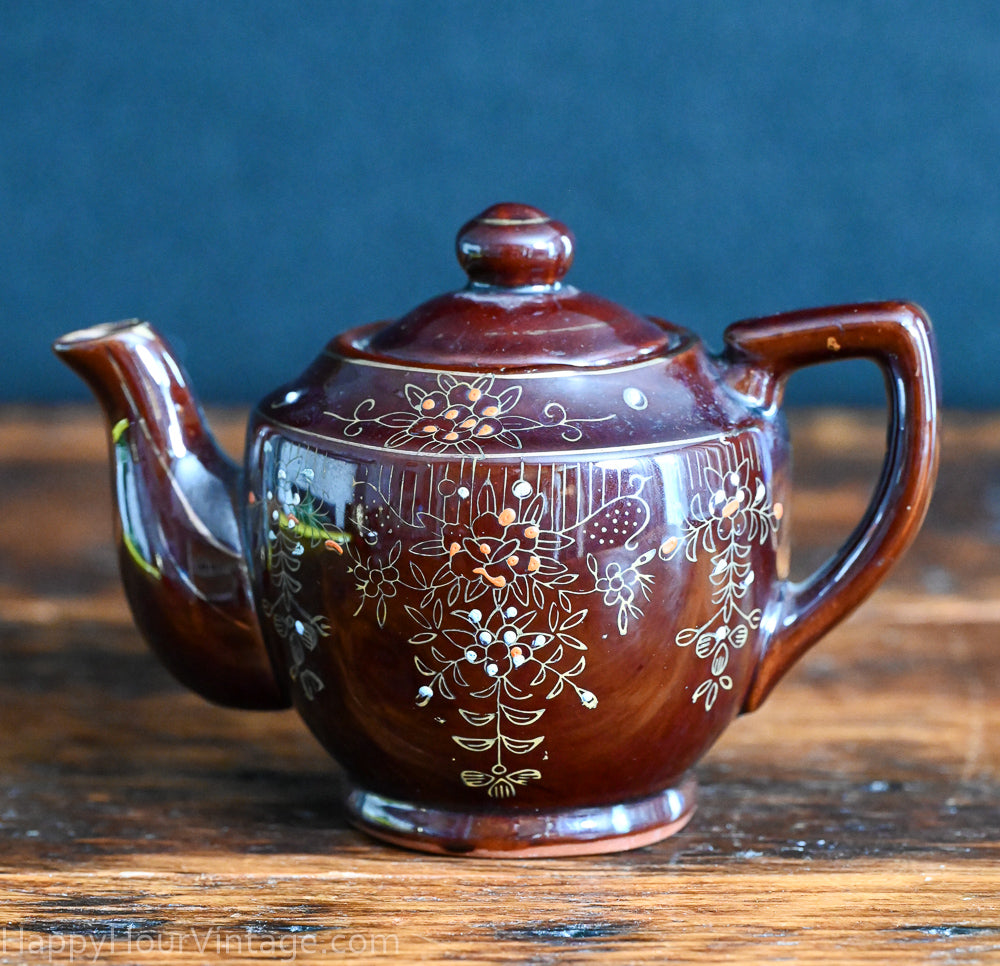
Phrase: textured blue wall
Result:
[256,176]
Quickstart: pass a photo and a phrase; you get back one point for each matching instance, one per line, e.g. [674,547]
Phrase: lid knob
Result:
[512,246]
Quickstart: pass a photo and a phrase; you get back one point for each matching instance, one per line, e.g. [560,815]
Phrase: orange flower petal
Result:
[669,546]
[496,581]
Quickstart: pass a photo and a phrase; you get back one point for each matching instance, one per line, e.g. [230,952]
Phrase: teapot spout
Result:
[180,542]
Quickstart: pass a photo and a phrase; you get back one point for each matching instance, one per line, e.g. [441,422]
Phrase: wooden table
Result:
[856,816]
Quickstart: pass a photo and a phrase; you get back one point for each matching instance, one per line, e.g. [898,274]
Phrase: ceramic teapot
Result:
[518,557]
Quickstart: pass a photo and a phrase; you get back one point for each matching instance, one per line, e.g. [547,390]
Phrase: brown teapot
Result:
[518,557]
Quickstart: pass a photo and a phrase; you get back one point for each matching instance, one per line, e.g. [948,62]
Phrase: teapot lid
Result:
[516,313]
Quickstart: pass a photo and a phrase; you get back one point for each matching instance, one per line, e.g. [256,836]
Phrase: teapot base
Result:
[517,833]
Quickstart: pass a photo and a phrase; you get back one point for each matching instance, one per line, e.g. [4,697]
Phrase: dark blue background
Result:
[256,176]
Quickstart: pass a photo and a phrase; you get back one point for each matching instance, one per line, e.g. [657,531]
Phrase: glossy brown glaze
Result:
[423,568]
[516,314]
[180,550]
[898,338]
[518,558]
[513,246]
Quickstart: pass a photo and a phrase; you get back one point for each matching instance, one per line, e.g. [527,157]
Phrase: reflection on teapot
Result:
[517,558]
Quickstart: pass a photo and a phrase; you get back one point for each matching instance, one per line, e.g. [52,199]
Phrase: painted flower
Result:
[499,643]
[621,586]
[735,509]
[737,504]
[494,547]
[617,585]
[292,480]
[457,415]
[724,523]
[460,415]
[377,581]
[298,514]
[500,783]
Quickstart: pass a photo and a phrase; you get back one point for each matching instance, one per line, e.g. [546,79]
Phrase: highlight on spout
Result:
[94,333]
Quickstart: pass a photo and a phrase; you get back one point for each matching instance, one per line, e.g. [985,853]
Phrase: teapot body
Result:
[517,557]
[515,588]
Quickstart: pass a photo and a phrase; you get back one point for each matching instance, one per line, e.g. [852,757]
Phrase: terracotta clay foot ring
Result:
[519,834]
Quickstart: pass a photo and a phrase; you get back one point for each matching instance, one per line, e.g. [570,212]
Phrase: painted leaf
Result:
[573,620]
[522,621]
[477,779]
[508,399]
[706,644]
[414,395]
[687,636]
[311,683]
[707,689]
[402,421]
[644,559]
[477,719]
[519,716]
[417,616]
[426,548]
[623,620]
[534,511]
[523,776]
[521,746]
[474,744]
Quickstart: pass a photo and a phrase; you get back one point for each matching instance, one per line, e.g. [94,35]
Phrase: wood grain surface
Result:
[854,818]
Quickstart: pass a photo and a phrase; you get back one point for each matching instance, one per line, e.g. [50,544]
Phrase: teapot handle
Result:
[898,338]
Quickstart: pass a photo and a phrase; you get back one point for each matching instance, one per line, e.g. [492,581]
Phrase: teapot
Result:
[518,557]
